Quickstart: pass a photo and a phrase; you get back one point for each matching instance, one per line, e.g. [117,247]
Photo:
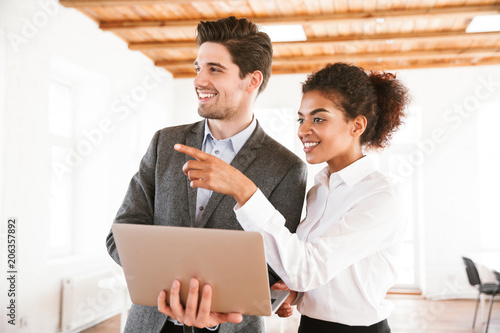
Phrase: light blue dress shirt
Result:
[226,150]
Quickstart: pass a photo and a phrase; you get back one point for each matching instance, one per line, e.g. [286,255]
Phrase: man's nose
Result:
[201,79]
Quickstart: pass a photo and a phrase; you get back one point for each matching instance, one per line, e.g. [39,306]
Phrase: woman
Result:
[341,259]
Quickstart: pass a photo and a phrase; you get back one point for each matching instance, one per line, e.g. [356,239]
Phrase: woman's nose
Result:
[304,129]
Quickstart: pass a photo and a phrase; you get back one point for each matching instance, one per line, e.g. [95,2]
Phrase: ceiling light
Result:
[284,33]
[484,23]
[380,20]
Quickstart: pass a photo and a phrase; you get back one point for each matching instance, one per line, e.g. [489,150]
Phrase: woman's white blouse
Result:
[342,255]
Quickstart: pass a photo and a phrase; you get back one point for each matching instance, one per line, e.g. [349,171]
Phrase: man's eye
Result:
[214,69]
[300,120]
[197,69]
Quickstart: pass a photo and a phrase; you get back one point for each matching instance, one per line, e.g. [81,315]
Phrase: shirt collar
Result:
[208,135]
[351,174]
[237,140]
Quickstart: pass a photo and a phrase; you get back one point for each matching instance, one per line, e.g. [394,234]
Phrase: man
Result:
[233,67]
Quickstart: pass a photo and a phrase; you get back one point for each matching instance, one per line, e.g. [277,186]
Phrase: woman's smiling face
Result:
[325,133]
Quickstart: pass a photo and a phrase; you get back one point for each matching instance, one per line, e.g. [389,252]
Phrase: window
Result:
[61,187]
[401,161]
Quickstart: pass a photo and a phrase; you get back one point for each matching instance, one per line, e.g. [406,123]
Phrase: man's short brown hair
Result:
[250,49]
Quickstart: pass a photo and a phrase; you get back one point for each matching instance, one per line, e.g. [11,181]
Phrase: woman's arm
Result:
[372,225]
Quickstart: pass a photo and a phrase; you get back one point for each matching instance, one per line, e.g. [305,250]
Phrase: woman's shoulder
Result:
[379,183]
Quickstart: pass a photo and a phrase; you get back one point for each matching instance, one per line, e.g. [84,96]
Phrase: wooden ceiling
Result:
[375,34]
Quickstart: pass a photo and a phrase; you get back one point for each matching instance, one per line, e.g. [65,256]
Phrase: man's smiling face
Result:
[220,89]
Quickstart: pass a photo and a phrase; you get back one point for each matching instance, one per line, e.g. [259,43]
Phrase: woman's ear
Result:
[359,126]
[255,81]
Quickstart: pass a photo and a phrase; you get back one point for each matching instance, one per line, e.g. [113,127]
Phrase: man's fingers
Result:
[175,303]
[193,152]
[234,318]
[162,297]
[192,165]
[202,320]
[195,175]
[192,303]
[162,304]
[194,315]
[220,318]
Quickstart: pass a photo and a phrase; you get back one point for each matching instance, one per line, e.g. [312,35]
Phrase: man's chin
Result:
[207,114]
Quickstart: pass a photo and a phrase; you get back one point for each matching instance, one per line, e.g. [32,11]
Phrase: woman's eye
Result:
[317,120]
[300,120]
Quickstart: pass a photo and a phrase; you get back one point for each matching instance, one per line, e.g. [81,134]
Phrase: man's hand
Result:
[285,310]
[194,315]
[214,174]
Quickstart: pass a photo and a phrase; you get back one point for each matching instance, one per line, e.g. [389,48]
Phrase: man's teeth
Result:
[310,144]
[206,95]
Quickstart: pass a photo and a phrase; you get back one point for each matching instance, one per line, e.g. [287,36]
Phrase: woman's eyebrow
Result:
[313,112]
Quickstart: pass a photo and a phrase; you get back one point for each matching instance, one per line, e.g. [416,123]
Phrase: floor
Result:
[412,314]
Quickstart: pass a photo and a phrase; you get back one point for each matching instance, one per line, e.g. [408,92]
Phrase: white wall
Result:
[36,37]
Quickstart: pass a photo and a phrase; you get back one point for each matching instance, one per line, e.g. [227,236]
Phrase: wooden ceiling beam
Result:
[415,37]
[376,57]
[391,66]
[355,17]
[374,66]
[174,45]
[99,3]
[391,38]
[381,57]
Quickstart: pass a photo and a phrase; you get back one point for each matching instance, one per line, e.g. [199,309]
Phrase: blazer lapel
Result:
[241,161]
[194,139]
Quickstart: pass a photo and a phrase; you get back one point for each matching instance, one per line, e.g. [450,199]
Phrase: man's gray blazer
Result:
[160,194]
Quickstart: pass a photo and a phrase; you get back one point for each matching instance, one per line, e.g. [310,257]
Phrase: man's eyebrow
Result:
[216,64]
[315,111]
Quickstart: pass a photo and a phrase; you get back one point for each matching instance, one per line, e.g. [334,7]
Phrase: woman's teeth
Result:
[310,144]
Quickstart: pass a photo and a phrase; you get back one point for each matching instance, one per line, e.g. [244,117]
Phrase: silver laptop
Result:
[231,261]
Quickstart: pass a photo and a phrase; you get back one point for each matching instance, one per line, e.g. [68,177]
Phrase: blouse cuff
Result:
[298,298]
[255,213]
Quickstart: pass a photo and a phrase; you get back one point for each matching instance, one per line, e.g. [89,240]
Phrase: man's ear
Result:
[255,81]
[359,125]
